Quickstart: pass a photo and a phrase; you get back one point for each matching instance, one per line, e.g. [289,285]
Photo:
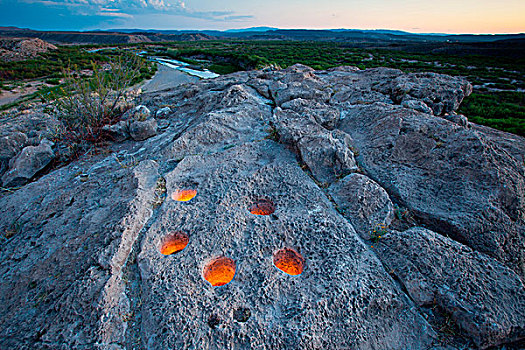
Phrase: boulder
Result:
[142,130]
[455,180]
[442,93]
[163,112]
[363,202]
[117,132]
[9,147]
[30,161]
[327,153]
[484,297]
[141,113]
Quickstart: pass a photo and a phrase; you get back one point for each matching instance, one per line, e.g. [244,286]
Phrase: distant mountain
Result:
[347,36]
[381,31]
[101,37]
[252,29]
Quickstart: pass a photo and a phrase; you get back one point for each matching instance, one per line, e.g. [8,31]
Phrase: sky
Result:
[419,16]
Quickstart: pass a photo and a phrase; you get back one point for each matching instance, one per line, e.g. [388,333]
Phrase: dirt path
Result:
[166,78]
[11,96]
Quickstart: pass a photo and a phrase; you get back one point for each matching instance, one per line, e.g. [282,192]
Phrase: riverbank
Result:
[166,78]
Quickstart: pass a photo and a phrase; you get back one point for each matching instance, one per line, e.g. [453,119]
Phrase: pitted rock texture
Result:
[81,255]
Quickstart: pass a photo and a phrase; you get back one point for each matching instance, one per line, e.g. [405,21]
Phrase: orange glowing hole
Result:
[174,243]
[219,271]
[289,261]
[183,195]
[262,207]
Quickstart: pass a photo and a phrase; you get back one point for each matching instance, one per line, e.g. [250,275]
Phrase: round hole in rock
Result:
[242,314]
[289,261]
[219,271]
[214,321]
[174,243]
[262,207]
[183,195]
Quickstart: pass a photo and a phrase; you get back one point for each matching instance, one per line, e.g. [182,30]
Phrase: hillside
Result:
[57,37]
[17,49]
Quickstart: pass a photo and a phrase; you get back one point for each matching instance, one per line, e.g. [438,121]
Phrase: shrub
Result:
[86,104]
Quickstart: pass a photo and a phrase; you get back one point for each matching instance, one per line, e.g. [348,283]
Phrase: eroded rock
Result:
[485,298]
[9,147]
[363,202]
[456,180]
[117,132]
[142,130]
[30,161]
[262,153]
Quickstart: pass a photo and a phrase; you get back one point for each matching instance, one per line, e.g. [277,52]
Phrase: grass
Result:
[500,110]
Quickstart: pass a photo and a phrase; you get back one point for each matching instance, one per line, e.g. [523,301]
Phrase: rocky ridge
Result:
[19,49]
[409,221]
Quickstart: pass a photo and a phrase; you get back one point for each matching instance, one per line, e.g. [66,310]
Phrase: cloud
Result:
[120,4]
[115,14]
[130,9]
[238,17]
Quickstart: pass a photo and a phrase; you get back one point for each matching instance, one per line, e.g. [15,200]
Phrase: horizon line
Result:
[262,26]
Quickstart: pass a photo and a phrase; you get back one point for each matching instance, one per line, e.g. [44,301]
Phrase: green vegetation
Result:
[488,105]
[50,67]
[377,232]
[50,64]
[498,80]
[86,104]
[499,110]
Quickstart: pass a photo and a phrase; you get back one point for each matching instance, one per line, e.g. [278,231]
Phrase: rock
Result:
[163,124]
[17,49]
[227,184]
[457,118]
[142,130]
[325,115]
[138,113]
[443,94]
[141,113]
[363,202]
[251,173]
[485,298]
[298,81]
[117,132]
[455,180]
[30,161]
[416,105]
[326,153]
[163,112]
[9,147]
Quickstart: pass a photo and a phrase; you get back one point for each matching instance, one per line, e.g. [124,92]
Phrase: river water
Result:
[183,66]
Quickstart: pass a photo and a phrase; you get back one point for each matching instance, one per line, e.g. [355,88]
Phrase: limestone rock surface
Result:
[245,181]
[142,130]
[30,161]
[10,146]
[484,297]
[362,201]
